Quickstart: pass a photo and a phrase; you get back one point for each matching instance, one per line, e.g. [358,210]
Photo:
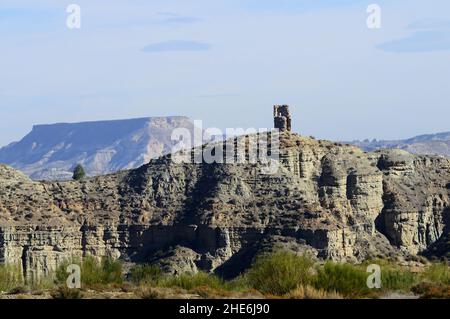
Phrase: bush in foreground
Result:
[10,277]
[191,281]
[145,274]
[94,271]
[309,292]
[280,272]
[149,293]
[395,278]
[345,279]
[428,290]
[438,272]
[62,292]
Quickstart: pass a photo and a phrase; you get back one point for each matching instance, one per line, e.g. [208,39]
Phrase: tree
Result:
[78,173]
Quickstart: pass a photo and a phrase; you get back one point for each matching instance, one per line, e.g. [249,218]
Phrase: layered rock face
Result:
[416,195]
[331,200]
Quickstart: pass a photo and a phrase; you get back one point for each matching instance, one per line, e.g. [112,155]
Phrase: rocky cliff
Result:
[332,200]
[50,152]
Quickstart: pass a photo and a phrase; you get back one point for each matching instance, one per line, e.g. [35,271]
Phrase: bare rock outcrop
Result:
[329,199]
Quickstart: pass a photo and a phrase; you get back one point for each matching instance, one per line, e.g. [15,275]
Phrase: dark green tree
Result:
[78,173]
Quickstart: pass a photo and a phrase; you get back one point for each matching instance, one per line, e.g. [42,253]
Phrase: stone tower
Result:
[282,117]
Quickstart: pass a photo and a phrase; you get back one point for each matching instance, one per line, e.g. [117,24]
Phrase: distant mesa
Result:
[427,144]
[50,152]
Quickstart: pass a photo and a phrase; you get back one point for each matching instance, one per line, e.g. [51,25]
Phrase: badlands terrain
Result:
[330,200]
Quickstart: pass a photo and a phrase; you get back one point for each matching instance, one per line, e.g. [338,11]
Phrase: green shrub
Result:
[395,277]
[309,292]
[145,274]
[43,283]
[398,279]
[78,173]
[439,273]
[61,273]
[10,277]
[238,284]
[191,281]
[105,271]
[345,279]
[427,290]
[150,293]
[63,292]
[93,271]
[111,271]
[18,290]
[280,272]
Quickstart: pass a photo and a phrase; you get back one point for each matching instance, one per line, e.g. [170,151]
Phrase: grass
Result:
[94,272]
[10,277]
[348,280]
[280,272]
[393,276]
[18,290]
[62,292]
[105,271]
[149,293]
[277,275]
[438,272]
[396,278]
[309,292]
[145,274]
[191,281]
[428,290]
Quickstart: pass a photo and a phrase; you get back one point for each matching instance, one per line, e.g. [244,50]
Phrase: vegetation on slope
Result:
[280,274]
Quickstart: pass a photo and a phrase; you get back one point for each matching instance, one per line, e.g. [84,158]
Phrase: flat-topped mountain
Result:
[52,151]
[428,144]
[332,200]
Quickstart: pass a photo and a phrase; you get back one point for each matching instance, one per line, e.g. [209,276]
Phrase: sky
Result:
[227,62]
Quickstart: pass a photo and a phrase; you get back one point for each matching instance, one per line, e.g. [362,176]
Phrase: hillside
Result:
[332,200]
[50,152]
[428,144]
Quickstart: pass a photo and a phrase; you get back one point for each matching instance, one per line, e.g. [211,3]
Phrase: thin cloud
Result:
[177,46]
[173,18]
[216,95]
[431,35]
[423,41]
[296,5]
[430,24]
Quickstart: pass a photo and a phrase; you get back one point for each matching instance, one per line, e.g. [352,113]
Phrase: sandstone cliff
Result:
[332,200]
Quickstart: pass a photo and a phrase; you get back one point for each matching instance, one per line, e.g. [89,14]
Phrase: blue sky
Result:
[227,62]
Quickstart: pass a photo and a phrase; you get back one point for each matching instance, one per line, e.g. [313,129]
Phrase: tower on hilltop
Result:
[282,117]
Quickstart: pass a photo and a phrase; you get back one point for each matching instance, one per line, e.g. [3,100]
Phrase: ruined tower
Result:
[282,117]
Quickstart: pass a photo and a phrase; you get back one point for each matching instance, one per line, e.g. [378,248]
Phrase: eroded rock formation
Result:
[332,200]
